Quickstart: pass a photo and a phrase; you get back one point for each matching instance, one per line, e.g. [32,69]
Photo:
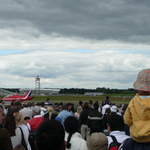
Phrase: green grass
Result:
[119,99]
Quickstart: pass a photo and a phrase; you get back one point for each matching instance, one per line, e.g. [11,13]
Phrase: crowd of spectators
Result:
[83,126]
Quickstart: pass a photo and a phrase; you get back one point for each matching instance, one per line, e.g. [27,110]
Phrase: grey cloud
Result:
[73,70]
[122,20]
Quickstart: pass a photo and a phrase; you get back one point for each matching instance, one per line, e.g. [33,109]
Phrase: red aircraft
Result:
[18,98]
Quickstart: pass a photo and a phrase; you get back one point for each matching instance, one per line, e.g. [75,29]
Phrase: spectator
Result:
[22,131]
[37,119]
[81,103]
[95,122]
[10,122]
[115,127]
[114,109]
[79,110]
[26,112]
[84,120]
[90,104]
[106,101]
[104,108]
[97,141]
[66,112]
[130,144]
[5,141]
[73,138]
[137,114]
[50,136]
[105,117]
[17,128]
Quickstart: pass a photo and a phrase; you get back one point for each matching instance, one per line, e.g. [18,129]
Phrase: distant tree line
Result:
[99,90]
[12,90]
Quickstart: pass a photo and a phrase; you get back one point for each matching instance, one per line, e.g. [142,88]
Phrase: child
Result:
[137,115]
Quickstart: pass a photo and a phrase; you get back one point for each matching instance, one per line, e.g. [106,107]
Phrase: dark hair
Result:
[80,103]
[108,111]
[96,106]
[50,136]
[115,122]
[71,125]
[10,122]
[85,106]
[69,107]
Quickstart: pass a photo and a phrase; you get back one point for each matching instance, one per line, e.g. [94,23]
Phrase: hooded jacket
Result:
[77,143]
[137,117]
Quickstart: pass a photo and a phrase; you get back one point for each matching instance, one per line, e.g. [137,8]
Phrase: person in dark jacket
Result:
[95,122]
[50,136]
[130,144]
[5,142]
[84,119]
[106,101]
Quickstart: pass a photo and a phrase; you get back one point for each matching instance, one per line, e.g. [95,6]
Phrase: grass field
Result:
[115,98]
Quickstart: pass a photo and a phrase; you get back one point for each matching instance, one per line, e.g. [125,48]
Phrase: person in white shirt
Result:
[116,128]
[73,138]
[21,131]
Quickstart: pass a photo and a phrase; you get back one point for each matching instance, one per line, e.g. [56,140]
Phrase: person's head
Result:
[19,118]
[26,112]
[115,123]
[50,136]
[107,97]
[79,109]
[90,102]
[96,106]
[106,109]
[85,106]
[81,103]
[97,141]
[71,125]
[114,109]
[50,111]
[142,83]
[10,121]
[2,115]
[36,110]
[70,107]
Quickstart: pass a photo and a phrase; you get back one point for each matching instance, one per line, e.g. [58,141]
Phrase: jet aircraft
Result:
[18,98]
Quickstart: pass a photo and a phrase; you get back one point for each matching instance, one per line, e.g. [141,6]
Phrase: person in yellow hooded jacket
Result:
[137,114]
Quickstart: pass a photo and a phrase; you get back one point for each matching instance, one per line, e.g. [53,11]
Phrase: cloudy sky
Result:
[73,43]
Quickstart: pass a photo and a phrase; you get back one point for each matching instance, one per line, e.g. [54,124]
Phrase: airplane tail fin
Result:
[28,94]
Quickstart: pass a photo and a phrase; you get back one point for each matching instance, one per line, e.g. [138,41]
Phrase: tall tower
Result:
[37,85]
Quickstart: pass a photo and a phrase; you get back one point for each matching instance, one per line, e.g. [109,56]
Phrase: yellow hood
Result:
[137,117]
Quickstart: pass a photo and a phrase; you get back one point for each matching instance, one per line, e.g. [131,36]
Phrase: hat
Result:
[113,108]
[106,106]
[26,112]
[142,82]
[97,141]
[36,109]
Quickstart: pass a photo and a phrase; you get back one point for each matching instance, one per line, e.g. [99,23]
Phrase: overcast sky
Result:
[73,43]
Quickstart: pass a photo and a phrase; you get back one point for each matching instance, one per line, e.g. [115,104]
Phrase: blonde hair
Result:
[19,118]
[50,111]
[79,109]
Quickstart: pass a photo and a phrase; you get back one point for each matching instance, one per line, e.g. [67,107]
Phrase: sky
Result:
[73,43]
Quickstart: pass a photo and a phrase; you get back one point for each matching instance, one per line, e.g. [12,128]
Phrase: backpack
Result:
[114,145]
[31,139]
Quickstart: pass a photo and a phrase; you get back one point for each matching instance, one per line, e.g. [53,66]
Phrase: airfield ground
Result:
[115,98]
